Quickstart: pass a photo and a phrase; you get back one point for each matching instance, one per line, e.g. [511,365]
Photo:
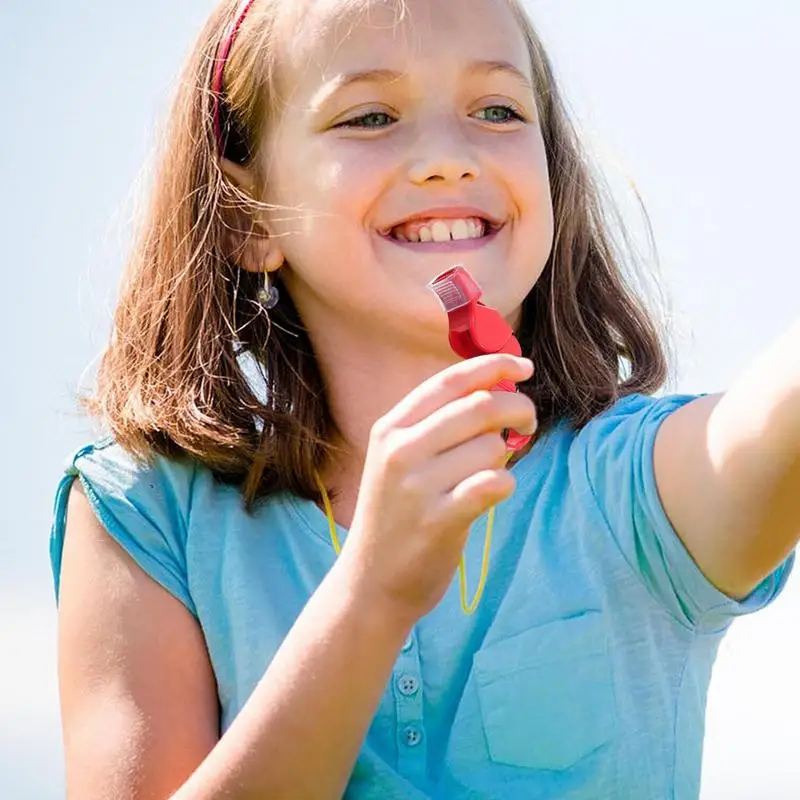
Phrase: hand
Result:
[435,463]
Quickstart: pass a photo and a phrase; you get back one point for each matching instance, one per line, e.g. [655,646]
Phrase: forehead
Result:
[323,38]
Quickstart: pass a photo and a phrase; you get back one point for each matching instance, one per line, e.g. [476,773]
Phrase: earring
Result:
[268,295]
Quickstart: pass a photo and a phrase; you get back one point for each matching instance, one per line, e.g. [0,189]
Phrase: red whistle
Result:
[476,329]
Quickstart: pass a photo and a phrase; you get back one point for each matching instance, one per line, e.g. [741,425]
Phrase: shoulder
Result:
[116,470]
[592,459]
[142,503]
[631,419]
[616,447]
[635,406]
[108,460]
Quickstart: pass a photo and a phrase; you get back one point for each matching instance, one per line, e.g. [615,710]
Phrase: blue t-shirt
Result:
[583,673]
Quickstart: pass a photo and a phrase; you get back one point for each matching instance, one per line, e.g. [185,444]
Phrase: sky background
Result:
[694,102]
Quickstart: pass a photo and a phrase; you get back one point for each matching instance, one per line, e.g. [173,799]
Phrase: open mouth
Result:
[423,231]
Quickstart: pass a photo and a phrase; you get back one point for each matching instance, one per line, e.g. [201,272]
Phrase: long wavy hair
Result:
[196,369]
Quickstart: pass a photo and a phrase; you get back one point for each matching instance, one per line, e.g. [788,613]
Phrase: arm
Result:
[139,696]
[139,701]
[728,472]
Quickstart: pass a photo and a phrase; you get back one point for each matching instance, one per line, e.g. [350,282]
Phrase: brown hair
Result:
[195,368]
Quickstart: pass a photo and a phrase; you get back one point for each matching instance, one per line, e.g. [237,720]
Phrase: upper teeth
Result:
[440,230]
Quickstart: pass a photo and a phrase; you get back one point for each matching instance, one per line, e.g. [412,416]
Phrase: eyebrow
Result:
[390,76]
[490,67]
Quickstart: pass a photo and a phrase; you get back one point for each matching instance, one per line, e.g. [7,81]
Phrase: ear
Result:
[249,242]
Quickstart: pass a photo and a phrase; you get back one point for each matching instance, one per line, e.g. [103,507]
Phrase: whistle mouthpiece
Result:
[455,288]
[475,329]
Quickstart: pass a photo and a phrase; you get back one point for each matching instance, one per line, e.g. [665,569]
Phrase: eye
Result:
[370,121]
[499,113]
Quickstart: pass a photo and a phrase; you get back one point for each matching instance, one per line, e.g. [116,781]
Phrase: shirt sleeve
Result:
[613,454]
[143,508]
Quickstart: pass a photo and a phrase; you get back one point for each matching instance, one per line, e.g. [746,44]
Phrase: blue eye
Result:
[501,114]
[371,121]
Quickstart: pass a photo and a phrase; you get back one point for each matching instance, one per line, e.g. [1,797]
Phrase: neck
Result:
[365,377]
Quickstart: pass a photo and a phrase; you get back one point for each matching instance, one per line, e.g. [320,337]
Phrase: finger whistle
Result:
[477,329]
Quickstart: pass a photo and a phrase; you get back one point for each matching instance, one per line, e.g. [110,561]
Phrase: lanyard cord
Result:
[467,608]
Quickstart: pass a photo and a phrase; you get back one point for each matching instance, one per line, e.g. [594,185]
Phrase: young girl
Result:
[258,571]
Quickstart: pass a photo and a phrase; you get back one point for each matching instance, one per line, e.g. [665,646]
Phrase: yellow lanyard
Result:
[467,608]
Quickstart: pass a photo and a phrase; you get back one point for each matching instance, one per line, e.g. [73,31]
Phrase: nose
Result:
[443,155]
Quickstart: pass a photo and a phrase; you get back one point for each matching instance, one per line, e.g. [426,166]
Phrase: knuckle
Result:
[414,488]
[398,453]
[524,406]
[381,430]
[492,487]
[528,406]
[482,402]
[455,381]
[483,496]
[500,487]
[496,448]
[533,416]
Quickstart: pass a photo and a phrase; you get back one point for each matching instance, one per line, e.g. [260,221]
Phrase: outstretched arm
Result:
[728,471]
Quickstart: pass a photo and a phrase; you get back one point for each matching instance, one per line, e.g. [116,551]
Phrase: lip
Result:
[444,212]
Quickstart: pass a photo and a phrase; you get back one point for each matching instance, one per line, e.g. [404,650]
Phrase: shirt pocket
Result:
[546,695]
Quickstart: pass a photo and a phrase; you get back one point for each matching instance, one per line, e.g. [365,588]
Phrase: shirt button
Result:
[412,736]
[408,685]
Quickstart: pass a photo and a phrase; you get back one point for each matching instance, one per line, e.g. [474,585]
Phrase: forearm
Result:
[300,732]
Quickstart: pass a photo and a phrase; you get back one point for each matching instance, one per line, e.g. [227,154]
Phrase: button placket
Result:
[408,694]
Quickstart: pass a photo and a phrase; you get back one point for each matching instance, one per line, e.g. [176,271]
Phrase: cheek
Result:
[323,203]
[529,175]
[330,172]
[328,177]
[345,190]
[528,180]
[530,183]
[352,176]
[330,202]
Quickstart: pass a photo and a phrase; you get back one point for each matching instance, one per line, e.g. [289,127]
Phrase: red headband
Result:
[219,69]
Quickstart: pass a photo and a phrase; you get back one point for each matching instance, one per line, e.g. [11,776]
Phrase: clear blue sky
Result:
[696,102]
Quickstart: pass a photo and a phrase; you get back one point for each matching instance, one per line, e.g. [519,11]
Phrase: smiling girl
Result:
[256,568]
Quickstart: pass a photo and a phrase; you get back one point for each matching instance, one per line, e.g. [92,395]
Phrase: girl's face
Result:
[405,144]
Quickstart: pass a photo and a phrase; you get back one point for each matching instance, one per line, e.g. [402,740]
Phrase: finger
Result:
[457,381]
[468,417]
[475,495]
[442,474]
